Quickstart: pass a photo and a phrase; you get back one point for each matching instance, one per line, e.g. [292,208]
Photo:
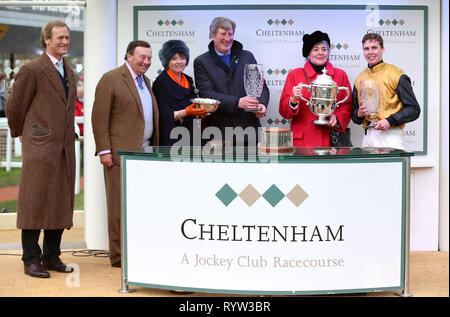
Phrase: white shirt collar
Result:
[133,74]
[220,54]
[53,59]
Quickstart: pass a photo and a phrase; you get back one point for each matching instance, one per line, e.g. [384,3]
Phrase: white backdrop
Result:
[425,167]
[274,34]
[202,239]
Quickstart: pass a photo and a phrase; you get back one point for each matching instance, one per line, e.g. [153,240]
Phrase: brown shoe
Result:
[177,292]
[57,265]
[36,270]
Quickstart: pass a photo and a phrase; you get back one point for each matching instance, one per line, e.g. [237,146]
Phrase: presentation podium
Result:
[235,221]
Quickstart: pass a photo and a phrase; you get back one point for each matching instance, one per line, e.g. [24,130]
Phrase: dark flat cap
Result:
[170,48]
[309,40]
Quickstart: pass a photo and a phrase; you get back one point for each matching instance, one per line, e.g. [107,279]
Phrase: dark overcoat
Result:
[217,81]
[41,111]
[171,97]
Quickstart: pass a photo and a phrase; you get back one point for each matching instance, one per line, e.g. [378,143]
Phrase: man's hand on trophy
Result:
[382,125]
[248,103]
[261,112]
[362,110]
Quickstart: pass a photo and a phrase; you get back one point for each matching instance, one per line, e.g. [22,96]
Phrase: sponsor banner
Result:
[247,228]
[273,33]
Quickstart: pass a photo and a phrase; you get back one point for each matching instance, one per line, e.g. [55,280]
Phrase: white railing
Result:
[6,147]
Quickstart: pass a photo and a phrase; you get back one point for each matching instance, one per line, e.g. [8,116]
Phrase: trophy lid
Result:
[324,79]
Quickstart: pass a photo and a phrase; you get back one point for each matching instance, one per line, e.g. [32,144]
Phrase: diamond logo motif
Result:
[270,22]
[249,195]
[297,195]
[273,195]
[401,22]
[226,194]
[290,22]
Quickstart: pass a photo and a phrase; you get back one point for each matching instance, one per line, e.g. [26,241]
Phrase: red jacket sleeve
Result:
[343,111]
[284,108]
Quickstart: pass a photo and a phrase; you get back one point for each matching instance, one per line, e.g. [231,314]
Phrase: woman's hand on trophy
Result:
[297,92]
[248,103]
[192,111]
[332,120]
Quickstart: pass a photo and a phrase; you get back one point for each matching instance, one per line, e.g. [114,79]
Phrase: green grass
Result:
[11,178]
[79,201]
[11,205]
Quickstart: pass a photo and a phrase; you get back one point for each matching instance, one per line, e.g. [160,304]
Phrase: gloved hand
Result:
[192,111]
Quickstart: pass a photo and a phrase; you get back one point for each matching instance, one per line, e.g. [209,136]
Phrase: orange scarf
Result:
[183,83]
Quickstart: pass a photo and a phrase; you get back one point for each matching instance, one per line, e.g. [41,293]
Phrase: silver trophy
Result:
[253,81]
[370,97]
[324,93]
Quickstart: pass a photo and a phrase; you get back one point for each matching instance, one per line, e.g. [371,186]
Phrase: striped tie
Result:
[140,81]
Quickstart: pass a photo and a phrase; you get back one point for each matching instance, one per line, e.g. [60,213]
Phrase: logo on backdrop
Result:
[277,22]
[343,55]
[274,33]
[273,195]
[393,29]
[170,29]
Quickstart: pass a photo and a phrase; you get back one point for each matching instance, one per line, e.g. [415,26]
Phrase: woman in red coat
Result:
[316,48]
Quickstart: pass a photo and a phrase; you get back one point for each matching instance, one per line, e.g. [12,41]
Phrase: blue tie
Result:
[60,68]
[140,81]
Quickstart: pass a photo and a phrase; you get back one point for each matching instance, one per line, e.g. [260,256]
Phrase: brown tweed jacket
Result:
[39,111]
[117,115]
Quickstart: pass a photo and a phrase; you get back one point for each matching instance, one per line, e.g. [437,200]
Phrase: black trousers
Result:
[32,251]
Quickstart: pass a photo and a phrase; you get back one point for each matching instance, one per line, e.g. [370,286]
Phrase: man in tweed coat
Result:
[40,110]
[124,117]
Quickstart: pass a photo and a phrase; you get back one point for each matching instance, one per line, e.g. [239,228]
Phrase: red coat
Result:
[306,133]
[79,112]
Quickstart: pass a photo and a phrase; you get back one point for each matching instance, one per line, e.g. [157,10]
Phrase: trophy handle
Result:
[309,89]
[346,97]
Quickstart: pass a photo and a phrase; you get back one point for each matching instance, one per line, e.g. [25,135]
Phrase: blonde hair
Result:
[46,32]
